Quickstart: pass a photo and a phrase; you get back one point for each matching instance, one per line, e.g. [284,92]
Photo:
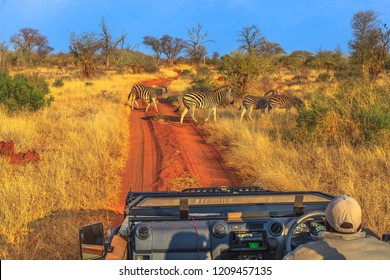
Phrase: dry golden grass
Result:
[260,156]
[82,140]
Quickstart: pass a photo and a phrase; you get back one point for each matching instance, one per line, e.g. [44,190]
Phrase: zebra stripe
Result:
[146,93]
[205,100]
[284,102]
[252,102]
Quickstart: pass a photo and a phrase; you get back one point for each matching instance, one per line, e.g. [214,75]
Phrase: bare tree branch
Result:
[108,44]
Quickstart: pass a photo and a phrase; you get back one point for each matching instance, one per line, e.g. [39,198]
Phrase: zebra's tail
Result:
[178,107]
[240,108]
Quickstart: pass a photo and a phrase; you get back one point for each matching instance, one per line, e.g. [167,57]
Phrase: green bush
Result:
[202,81]
[20,92]
[58,83]
[186,73]
[205,84]
[374,122]
[323,77]
[359,116]
[347,74]
[241,68]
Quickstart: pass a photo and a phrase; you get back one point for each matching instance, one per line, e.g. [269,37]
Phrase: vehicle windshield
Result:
[267,204]
[229,200]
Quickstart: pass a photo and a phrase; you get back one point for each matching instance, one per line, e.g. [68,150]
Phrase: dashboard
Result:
[307,231]
[220,223]
[207,239]
[312,227]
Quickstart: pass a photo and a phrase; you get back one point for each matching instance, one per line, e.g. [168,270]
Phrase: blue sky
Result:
[296,25]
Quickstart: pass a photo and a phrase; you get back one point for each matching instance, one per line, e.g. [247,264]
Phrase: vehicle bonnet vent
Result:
[276,228]
[219,230]
[143,232]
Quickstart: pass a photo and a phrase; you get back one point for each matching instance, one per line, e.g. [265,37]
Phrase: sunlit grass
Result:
[259,153]
[82,140]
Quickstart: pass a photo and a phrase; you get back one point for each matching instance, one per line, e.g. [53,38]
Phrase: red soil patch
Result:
[8,149]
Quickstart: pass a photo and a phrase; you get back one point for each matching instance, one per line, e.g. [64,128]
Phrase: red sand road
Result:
[162,150]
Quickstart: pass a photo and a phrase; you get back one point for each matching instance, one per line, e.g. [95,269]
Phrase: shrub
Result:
[241,68]
[58,83]
[21,91]
[202,81]
[111,96]
[186,73]
[205,84]
[323,77]
[358,116]
[136,61]
[347,74]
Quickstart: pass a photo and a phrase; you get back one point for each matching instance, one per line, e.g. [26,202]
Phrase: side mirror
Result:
[92,242]
[386,237]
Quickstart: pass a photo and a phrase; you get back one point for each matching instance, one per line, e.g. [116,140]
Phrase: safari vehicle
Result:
[220,223]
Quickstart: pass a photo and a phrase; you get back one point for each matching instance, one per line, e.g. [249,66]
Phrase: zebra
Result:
[285,102]
[251,102]
[205,100]
[146,93]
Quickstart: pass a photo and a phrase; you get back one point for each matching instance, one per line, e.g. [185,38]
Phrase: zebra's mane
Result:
[271,92]
[220,88]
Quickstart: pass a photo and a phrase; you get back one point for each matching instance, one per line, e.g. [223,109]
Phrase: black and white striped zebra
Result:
[146,93]
[202,100]
[252,102]
[284,102]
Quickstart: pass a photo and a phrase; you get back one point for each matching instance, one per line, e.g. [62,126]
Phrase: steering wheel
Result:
[297,222]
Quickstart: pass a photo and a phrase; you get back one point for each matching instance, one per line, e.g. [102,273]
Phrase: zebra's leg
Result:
[192,113]
[147,107]
[250,113]
[183,114]
[132,103]
[134,100]
[287,113]
[209,114]
[155,105]
[242,113]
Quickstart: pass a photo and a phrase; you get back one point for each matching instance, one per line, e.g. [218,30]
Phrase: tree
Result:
[108,44]
[379,53]
[328,59]
[84,48]
[172,47]
[271,48]
[250,39]
[3,52]
[29,40]
[297,59]
[370,45]
[240,68]
[195,48]
[156,46]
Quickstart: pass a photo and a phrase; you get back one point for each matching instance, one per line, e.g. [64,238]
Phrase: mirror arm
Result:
[108,248]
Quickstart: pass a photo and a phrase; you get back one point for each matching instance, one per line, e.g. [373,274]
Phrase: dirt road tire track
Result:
[163,150]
